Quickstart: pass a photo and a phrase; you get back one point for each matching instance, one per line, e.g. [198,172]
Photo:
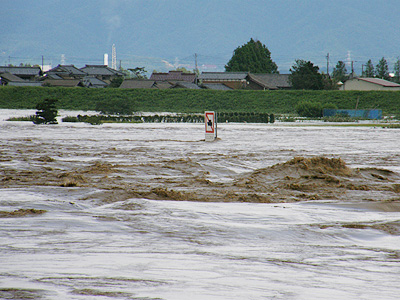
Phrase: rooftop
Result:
[223,75]
[379,81]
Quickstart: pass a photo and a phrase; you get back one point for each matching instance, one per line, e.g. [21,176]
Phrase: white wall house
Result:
[369,84]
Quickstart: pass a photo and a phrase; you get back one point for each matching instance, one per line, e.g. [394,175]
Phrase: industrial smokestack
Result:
[106,59]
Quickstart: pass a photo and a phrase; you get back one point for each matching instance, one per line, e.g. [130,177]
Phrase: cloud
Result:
[111,17]
[168,64]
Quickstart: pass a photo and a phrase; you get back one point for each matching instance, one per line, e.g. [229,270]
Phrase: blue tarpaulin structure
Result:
[355,113]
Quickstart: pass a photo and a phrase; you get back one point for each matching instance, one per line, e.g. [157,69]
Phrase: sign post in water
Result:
[211,126]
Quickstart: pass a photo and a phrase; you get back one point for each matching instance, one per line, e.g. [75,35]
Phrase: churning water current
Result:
[90,246]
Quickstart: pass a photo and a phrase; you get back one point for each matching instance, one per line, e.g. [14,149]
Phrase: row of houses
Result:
[100,76]
[93,76]
[211,80]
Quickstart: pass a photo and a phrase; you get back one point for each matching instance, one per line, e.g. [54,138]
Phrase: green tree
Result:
[116,82]
[382,69]
[309,109]
[397,70]
[305,76]
[46,112]
[340,72]
[369,69]
[252,57]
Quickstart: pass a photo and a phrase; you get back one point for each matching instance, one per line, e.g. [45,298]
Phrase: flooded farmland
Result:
[152,211]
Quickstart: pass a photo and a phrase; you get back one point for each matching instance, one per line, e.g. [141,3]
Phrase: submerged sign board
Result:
[210,126]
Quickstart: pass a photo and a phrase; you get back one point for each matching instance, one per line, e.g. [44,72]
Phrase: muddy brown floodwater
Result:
[152,211]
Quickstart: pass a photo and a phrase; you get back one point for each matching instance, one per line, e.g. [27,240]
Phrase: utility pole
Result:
[327,64]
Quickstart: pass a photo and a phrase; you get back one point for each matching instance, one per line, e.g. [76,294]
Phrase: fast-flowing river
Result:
[82,215]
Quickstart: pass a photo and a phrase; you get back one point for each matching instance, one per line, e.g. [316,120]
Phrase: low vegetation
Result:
[172,118]
[123,101]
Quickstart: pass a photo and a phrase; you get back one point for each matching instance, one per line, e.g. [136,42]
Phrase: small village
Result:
[101,76]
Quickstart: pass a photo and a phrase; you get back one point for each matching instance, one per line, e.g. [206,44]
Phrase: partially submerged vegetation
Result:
[172,118]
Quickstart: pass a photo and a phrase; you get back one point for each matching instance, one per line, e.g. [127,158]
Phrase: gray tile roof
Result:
[62,82]
[271,81]
[216,86]
[23,71]
[53,76]
[223,76]
[67,70]
[186,85]
[137,84]
[25,83]
[175,76]
[10,77]
[163,85]
[101,70]
[93,82]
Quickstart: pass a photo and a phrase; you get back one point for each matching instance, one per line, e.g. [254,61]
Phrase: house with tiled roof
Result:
[62,83]
[268,82]
[102,72]
[144,84]
[369,84]
[25,73]
[8,78]
[65,72]
[186,85]
[138,84]
[215,86]
[174,76]
[233,80]
[93,82]
[245,80]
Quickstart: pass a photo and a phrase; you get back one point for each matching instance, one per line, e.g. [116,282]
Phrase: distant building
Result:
[65,72]
[62,83]
[102,72]
[245,80]
[138,84]
[369,84]
[25,73]
[174,76]
[269,82]
[233,80]
[145,84]
[186,85]
[93,82]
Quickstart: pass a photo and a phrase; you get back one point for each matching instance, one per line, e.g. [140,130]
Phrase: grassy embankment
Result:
[195,101]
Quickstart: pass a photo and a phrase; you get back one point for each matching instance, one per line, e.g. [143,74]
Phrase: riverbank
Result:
[194,101]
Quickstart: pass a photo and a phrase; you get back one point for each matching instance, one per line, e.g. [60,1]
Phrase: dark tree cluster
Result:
[305,76]
[252,57]
[46,112]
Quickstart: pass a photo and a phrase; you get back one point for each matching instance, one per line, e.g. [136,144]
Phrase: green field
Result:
[194,101]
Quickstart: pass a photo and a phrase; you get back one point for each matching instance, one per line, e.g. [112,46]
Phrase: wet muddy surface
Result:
[151,211]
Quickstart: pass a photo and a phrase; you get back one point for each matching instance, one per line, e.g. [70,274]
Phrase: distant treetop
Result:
[252,57]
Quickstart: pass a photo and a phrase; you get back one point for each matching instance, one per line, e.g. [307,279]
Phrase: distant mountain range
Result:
[165,34]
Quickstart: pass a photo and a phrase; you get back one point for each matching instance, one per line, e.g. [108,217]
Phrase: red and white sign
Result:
[209,118]
[211,127]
